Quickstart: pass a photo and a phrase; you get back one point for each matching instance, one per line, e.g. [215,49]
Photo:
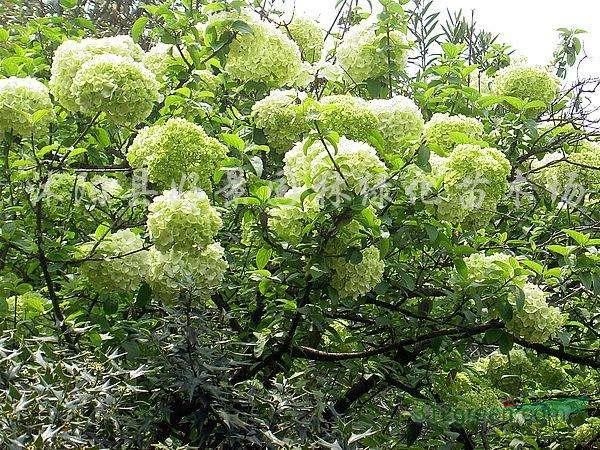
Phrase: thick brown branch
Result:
[319,355]
[560,354]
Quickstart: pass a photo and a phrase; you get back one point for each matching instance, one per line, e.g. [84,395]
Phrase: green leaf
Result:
[461,268]
[355,257]
[110,305]
[505,343]
[423,157]
[138,28]
[68,4]
[535,266]
[519,298]
[144,296]
[101,231]
[4,35]
[76,152]
[248,201]
[560,249]
[23,288]
[515,102]
[263,193]
[263,256]
[492,336]
[234,141]
[241,27]
[102,137]
[580,238]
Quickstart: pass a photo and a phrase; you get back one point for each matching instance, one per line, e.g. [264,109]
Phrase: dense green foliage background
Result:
[430,280]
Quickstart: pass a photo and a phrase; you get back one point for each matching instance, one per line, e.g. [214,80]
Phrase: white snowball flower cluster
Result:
[289,221]
[353,279]
[117,263]
[400,122]
[198,273]
[439,129]
[362,56]
[348,116]
[474,181]
[104,190]
[71,55]
[354,168]
[309,37]
[483,267]
[588,432]
[185,259]
[159,58]
[527,83]
[536,321]
[25,107]
[177,151]
[283,117]
[118,86]
[182,220]
[297,164]
[266,55]
[572,175]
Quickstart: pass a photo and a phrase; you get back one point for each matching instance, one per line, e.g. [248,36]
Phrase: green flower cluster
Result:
[182,220]
[70,56]
[362,56]
[440,128]
[517,372]
[63,190]
[289,220]
[353,168]
[401,124]
[474,181]
[348,116]
[466,394]
[25,107]
[283,117]
[353,278]
[536,321]
[266,55]
[116,263]
[309,37]
[196,273]
[118,86]
[527,83]
[177,151]
[509,374]
[484,267]
[588,432]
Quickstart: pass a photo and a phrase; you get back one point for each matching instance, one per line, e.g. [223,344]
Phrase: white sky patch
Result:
[529,26]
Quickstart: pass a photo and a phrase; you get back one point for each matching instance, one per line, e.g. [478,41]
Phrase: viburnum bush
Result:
[236,227]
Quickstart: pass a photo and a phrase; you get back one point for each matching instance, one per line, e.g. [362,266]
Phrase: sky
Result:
[529,26]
